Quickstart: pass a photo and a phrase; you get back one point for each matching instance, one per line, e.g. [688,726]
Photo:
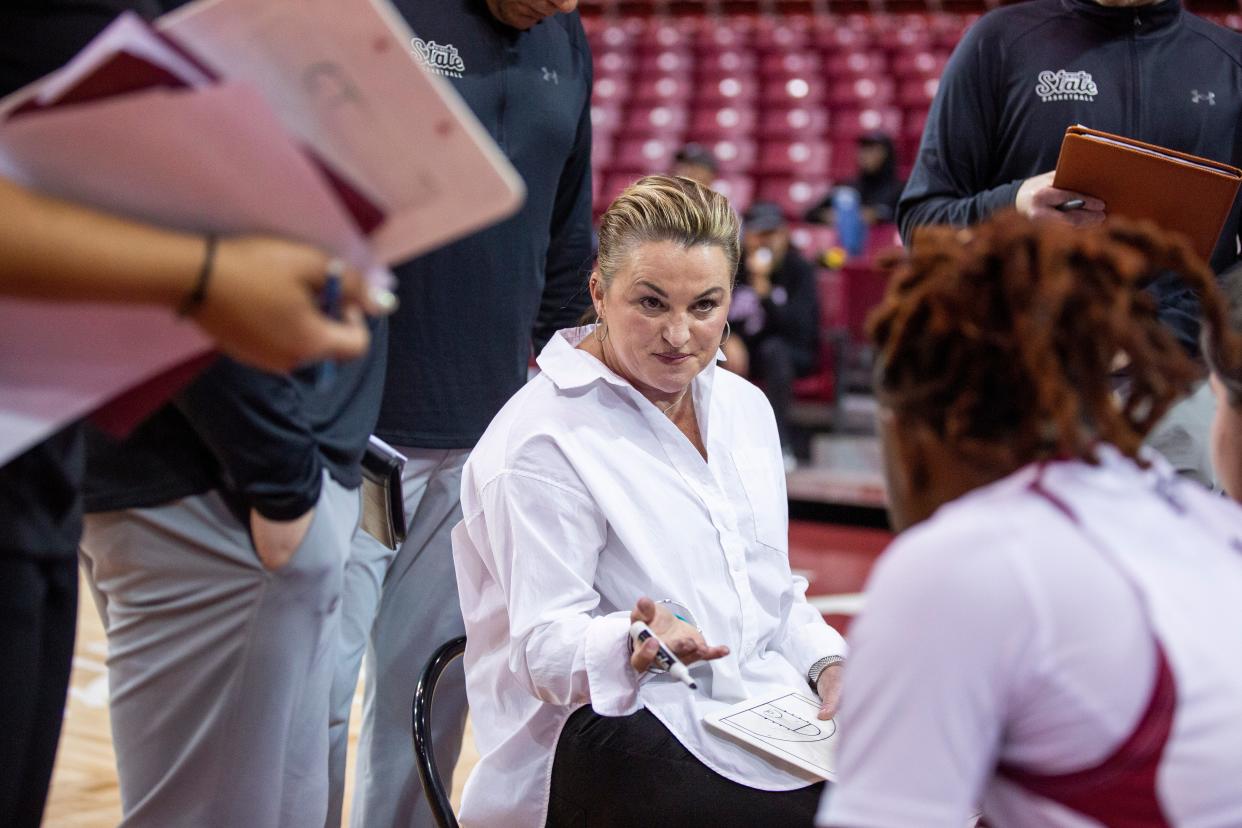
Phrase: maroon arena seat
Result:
[665,120]
[799,122]
[779,66]
[862,92]
[714,65]
[850,123]
[739,189]
[806,159]
[731,90]
[795,195]
[663,90]
[917,94]
[734,155]
[853,64]
[714,123]
[645,155]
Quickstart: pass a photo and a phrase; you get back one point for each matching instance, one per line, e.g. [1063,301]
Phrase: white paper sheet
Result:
[339,76]
[208,159]
[61,361]
[783,727]
[342,76]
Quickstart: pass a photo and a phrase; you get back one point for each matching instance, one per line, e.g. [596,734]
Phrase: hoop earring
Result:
[601,326]
[728,333]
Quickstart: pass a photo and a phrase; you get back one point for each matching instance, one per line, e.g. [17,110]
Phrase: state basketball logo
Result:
[1065,86]
[438,58]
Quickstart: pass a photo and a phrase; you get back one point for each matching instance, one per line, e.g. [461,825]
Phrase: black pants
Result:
[38,615]
[630,771]
[776,365]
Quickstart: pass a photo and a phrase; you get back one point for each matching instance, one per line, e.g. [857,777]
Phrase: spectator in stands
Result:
[697,163]
[1226,436]
[632,465]
[1022,74]
[877,183]
[1052,635]
[774,317]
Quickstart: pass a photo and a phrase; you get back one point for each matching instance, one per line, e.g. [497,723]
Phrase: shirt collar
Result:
[569,367]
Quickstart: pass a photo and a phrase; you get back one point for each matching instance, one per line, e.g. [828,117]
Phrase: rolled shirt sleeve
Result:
[807,638]
[544,539]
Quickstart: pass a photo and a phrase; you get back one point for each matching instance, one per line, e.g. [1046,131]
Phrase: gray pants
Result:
[398,608]
[219,670]
[1182,436]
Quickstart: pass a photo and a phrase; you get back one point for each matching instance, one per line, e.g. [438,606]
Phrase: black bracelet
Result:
[196,297]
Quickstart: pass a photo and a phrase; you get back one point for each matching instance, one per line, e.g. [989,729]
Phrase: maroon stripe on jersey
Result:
[1121,790]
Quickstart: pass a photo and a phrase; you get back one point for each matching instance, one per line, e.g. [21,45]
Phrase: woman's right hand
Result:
[262,305]
[683,640]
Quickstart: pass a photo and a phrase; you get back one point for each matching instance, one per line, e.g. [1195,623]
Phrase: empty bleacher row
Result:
[780,101]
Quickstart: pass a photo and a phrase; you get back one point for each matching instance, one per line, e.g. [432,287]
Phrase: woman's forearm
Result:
[56,250]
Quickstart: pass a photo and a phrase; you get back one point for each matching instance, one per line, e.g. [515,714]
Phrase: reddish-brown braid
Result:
[1002,338]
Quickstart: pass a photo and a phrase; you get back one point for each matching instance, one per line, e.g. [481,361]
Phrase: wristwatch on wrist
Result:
[812,675]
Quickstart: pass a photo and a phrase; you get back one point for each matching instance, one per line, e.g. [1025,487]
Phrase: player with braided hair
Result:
[1046,636]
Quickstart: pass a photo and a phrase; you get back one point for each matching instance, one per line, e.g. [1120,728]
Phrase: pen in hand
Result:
[640,633]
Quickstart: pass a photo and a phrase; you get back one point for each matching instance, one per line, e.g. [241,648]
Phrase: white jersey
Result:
[1063,646]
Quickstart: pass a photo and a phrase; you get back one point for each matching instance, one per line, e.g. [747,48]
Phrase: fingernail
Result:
[384,299]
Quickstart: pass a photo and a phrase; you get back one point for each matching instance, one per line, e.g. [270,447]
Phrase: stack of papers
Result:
[308,119]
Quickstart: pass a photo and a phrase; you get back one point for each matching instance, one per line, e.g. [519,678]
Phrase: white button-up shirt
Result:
[582,497]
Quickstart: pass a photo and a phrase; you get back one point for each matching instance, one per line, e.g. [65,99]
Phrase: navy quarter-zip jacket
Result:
[460,343]
[1023,73]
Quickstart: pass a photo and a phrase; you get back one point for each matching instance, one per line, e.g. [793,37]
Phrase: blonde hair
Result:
[660,208]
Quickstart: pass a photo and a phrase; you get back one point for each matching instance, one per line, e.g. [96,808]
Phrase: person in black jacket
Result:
[459,348]
[1023,73]
[877,183]
[774,317]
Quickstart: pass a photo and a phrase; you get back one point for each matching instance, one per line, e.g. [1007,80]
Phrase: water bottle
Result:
[851,229]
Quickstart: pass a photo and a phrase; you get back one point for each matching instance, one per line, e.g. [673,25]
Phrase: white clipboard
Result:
[784,728]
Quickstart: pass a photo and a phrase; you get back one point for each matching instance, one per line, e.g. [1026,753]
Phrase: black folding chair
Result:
[424,753]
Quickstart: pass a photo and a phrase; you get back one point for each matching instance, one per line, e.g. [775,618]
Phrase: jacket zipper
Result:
[1133,103]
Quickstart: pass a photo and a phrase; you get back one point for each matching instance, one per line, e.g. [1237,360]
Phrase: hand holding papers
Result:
[161,142]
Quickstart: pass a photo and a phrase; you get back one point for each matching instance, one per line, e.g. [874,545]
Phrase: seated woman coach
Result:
[632,479]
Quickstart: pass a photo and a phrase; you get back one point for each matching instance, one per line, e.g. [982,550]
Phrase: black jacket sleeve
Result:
[950,180]
[252,422]
[569,247]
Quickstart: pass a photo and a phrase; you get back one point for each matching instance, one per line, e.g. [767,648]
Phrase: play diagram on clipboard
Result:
[782,726]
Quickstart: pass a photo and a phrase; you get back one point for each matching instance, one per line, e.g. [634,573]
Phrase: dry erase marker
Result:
[1072,204]
[664,658]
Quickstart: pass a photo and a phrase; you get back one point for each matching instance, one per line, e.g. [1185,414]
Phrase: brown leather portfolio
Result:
[1178,191]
